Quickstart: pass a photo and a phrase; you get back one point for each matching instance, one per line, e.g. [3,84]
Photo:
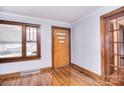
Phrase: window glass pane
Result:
[31,44]
[115,36]
[35,34]
[115,48]
[28,30]
[10,41]
[31,34]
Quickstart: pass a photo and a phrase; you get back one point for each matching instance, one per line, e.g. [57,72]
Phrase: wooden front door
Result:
[60,46]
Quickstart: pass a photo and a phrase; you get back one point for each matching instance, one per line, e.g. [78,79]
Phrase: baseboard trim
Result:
[45,69]
[9,75]
[18,74]
[86,72]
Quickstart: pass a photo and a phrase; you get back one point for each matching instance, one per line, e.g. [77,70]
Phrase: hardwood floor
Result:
[118,79]
[66,76]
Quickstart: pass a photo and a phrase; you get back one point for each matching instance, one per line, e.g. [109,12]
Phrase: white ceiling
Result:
[60,13]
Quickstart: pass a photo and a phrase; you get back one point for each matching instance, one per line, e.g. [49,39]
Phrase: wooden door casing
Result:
[105,39]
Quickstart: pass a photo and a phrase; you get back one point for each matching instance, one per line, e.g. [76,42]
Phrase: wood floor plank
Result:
[66,76]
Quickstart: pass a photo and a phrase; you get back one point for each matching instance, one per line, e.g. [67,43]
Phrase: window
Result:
[10,41]
[19,41]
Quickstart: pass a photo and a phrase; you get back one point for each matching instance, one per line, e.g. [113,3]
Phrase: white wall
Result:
[86,41]
[45,60]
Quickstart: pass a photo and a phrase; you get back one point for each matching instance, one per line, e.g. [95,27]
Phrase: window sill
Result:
[19,59]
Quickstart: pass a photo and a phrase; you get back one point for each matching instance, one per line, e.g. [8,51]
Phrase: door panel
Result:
[112,33]
[61,45]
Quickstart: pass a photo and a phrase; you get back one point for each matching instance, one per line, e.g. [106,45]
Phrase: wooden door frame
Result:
[103,20]
[58,27]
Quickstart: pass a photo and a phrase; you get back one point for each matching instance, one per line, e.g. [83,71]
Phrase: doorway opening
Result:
[112,45]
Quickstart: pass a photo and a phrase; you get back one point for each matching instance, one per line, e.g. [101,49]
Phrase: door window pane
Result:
[120,22]
[112,24]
